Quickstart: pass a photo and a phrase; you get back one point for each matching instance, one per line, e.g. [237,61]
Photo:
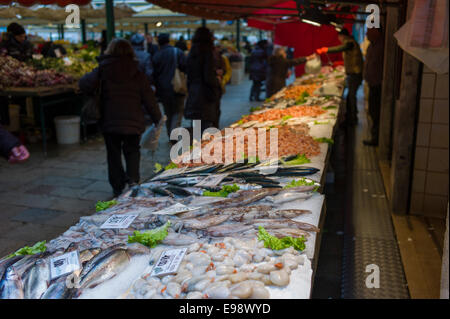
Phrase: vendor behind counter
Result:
[14,43]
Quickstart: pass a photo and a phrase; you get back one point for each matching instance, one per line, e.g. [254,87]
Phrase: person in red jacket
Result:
[11,149]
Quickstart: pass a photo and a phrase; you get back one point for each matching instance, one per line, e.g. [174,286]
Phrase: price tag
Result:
[119,221]
[175,209]
[169,262]
[170,172]
[212,180]
[64,264]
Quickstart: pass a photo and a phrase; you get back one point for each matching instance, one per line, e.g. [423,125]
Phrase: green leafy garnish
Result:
[158,167]
[39,247]
[267,100]
[320,76]
[275,243]
[240,122]
[329,107]
[170,166]
[224,192]
[105,205]
[321,123]
[298,160]
[300,182]
[324,140]
[338,76]
[255,108]
[286,117]
[150,238]
[302,98]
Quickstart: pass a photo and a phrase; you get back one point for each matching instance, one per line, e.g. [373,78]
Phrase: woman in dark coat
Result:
[204,89]
[124,90]
[258,69]
[278,69]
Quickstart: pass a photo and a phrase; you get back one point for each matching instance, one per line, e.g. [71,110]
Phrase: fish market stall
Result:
[204,230]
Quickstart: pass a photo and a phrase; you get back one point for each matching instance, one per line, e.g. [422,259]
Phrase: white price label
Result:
[64,264]
[119,221]
[175,209]
[212,180]
[169,262]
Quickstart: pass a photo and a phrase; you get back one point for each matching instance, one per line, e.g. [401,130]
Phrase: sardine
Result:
[36,280]
[58,289]
[283,232]
[11,286]
[175,239]
[287,197]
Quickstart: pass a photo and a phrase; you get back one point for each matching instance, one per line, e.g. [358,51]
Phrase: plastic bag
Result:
[150,138]
[313,66]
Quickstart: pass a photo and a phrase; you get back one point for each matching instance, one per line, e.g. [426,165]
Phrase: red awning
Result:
[61,3]
[217,9]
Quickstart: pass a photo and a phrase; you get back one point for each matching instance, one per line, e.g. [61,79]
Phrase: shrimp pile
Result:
[278,114]
[231,268]
[293,92]
[291,140]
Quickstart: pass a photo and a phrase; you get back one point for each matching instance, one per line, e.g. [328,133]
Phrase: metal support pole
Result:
[260,35]
[146,28]
[83,31]
[121,33]
[110,27]
[238,35]
[204,23]
[61,30]
[188,34]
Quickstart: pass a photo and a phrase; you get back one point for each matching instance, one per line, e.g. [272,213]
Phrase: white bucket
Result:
[14,118]
[67,129]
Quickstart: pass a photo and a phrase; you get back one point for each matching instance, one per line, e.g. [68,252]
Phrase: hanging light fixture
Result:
[158,24]
[311,14]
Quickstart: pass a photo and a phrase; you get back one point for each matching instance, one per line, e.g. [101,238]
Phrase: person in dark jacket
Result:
[51,50]
[354,64]
[165,62]
[278,70]
[16,43]
[373,75]
[144,58]
[258,69]
[204,88]
[124,89]
[181,44]
[151,47]
[11,148]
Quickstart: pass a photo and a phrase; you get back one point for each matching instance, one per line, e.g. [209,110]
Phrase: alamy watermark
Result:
[373,280]
[373,19]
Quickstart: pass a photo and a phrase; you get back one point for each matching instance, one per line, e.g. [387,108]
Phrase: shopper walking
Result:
[124,89]
[144,58]
[204,87]
[258,69]
[181,44]
[16,44]
[373,75]
[11,148]
[353,63]
[151,47]
[278,70]
[165,62]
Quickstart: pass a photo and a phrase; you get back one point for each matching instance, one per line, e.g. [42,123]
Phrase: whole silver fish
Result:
[282,223]
[11,286]
[227,230]
[205,222]
[36,279]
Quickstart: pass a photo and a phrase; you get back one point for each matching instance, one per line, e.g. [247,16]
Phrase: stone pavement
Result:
[43,197]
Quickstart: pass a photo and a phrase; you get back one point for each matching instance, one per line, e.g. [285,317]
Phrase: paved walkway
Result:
[42,198]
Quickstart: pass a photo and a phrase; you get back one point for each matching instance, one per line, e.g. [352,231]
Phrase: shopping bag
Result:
[179,81]
[150,138]
[313,66]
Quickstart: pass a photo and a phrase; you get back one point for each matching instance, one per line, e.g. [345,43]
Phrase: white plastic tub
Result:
[67,129]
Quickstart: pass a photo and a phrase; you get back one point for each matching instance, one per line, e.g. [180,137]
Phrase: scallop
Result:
[279,277]
[182,276]
[166,279]
[217,291]
[153,281]
[240,276]
[242,290]
[194,295]
[198,258]
[266,268]
[290,261]
[247,268]
[199,270]
[224,269]
[193,247]
[174,289]
[202,284]
[140,284]
[150,293]
[241,258]
[260,293]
